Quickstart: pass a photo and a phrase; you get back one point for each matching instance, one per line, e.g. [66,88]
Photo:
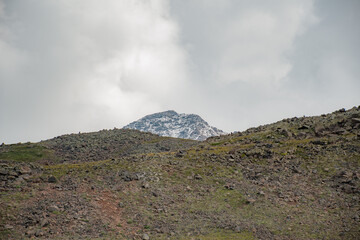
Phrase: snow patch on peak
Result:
[172,124]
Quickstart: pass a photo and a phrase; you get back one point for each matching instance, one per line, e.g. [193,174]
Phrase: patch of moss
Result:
[27,152]
[218,143]
[224,235]
[5,233]
[219,201]
[14,197]
[85,169]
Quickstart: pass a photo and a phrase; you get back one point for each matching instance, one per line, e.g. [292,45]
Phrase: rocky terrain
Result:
[294,179]
[172,124]
[107,144]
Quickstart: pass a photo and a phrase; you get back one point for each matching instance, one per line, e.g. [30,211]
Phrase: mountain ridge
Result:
[172,124]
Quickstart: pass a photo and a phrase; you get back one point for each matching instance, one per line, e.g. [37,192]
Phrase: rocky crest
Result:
[172,124]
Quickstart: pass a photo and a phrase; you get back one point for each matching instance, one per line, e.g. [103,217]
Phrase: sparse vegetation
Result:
[27,152]
[294,179]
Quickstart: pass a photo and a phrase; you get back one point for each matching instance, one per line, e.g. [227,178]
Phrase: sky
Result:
[86,65]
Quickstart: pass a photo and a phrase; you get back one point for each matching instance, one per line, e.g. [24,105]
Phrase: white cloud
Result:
[84,65]
[258,39]
[257,61]
[90,64]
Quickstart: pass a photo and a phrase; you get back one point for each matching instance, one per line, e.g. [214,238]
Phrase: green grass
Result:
[14,197]
[26,152]
[218,143]
[220,201]
[224,235]
[5,234]
[84,169]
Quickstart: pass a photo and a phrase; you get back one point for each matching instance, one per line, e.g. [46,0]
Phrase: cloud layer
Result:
[69,66]
[261,61]
[245,40]
[84,65]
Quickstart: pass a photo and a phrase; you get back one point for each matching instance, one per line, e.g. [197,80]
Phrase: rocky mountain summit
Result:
[172,124]
[298,178]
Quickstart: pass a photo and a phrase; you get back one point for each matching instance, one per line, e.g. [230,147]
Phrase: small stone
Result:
[3,171]
[30,233]
[13,173]
[145,237]
[237,229]
[24,170]
[250,201]
[19,181]
[26,177]
[53,208]
[52,179]
[39,233]
[230,186]
[303,127]
[198,176]
[8,227]
[286,133]
[145,185]
[179,154]
[44,223]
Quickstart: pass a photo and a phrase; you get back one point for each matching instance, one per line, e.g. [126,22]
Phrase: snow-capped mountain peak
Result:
[172,124]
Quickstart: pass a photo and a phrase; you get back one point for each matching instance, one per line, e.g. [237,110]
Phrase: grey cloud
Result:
[307,65]
[87,65]
[84,65]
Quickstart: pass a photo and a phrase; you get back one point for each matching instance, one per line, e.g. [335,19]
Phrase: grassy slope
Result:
[27,152]
[295,179]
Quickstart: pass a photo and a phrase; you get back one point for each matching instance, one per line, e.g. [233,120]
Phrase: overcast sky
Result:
[86,65]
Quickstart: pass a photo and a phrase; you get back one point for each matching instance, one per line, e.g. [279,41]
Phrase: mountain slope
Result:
[298,178]
[92,146]
[172,124]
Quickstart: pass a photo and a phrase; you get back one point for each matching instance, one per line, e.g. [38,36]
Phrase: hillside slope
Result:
[105,144]
[295,179]
[172,124]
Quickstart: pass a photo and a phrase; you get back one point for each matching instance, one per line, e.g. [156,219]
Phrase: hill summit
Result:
[172,124]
